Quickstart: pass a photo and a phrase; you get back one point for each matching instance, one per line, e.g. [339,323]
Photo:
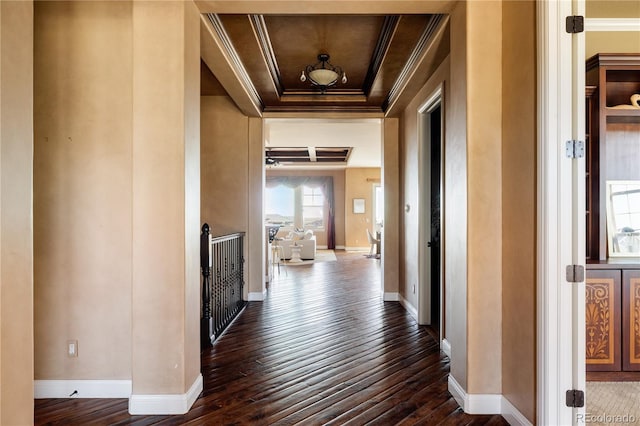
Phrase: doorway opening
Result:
[430,288]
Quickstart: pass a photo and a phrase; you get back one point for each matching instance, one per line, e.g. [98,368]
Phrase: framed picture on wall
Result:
[358,205]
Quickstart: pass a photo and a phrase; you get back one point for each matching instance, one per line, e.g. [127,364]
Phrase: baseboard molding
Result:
[322,247]
[257,296]
[409,308]
[446,347]
[486,404]
[474,403]
[166,404]
[339,247]
[391,297]
[366,248]
[81,389]
[512,415]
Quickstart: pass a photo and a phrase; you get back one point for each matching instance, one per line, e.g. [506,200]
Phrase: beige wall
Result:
[116,172]
[612,41]
[16,207]
[338,194]
[612,9]
[519,206]
[83,189]
[231,179]
[484,150]
[392,208]
[411,152]
[455,198]
[359,183]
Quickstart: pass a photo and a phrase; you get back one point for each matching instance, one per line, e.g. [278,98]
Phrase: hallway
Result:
[322,349]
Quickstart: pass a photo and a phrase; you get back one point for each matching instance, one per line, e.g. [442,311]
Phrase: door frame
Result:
[560,202]
[434,100]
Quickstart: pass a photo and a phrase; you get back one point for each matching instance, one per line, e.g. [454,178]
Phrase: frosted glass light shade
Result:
[323,77]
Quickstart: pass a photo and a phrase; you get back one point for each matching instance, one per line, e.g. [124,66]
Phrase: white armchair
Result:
[307,245]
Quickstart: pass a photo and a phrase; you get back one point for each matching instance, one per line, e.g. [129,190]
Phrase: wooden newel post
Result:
[206,322]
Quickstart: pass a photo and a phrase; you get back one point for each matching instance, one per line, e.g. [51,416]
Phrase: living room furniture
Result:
[307,247]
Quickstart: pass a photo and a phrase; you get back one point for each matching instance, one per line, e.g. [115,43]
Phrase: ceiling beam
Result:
[217,52]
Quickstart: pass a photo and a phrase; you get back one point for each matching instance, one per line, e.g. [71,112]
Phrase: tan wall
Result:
[455,196]
[338,195]
[359,183]
[484,150]
[231,179]
[83,189]
[611,42]
[16,220]
[116,197]
[411,152]
[392,208]
[519,206]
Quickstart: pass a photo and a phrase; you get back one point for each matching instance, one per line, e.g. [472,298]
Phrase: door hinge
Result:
[575,24]
[575,273]
[575,398]
[574,149]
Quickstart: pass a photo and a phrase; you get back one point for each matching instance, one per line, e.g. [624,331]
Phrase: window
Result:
[312,207]
[280,206]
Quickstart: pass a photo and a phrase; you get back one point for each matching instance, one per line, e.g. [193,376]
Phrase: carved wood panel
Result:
[602,298]
[631,320]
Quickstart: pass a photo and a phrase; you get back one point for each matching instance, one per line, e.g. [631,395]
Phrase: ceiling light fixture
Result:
[323,74]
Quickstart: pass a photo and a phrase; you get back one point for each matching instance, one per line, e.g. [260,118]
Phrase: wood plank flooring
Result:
[322,349]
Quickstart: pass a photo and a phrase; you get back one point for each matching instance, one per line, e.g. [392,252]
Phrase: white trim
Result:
[446,347]
[166,404]
[257,296]
[325,247]
[391,297]
[512,415]
[554,211]
[612,24]
[339,247]
[474,403]
[366,248]
[409,308]
[83,389]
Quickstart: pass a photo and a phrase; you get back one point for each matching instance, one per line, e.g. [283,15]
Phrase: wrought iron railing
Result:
[222,265]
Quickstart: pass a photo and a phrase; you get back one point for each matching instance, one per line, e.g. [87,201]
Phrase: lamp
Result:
[323,74]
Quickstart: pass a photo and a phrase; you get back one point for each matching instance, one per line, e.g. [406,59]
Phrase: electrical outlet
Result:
[72,348]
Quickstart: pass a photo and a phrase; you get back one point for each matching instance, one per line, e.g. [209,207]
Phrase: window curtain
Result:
[326,182]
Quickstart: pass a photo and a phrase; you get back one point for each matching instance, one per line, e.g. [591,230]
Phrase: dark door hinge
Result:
[575,273]
[575,24]
[575,398]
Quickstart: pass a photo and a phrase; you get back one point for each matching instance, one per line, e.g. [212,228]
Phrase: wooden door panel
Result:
[631,320]
[603,320]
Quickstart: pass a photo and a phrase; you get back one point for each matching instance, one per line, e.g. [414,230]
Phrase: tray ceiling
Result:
[382,55]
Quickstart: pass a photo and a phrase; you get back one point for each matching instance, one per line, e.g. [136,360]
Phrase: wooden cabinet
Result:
[603,323]
[613,137]
[631,320]
[612,296]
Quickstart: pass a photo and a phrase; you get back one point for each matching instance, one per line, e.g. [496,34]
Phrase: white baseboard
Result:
[486,404]
[475,403]
[166,404]
[339,247]
[391,297]
[446,347]
[409,308]
[257,296]
[366,248]
[81,389]
[512,415]
[322,247]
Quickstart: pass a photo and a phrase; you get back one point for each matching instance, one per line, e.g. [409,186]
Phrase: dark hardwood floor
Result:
[322,349]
